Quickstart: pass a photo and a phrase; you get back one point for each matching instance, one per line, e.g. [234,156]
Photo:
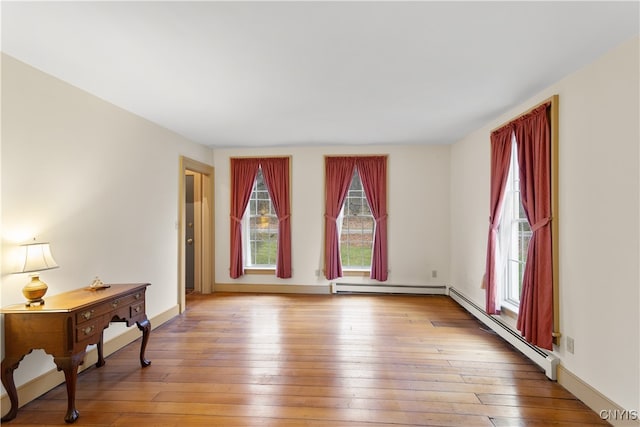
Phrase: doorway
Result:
[190,235]
[195,243]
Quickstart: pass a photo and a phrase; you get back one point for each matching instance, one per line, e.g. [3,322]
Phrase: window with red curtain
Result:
[275,172]
[531,134]
[373,175]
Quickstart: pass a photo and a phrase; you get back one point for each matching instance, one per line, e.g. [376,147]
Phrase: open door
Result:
[195,225]
[191,240]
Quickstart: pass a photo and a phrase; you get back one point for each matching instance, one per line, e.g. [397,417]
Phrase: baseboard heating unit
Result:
[374,288]
[548,362]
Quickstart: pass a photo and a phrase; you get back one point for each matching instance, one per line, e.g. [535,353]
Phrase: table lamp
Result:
[37,258]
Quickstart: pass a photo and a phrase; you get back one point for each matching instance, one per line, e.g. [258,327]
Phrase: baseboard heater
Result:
[548,362]
[375,288]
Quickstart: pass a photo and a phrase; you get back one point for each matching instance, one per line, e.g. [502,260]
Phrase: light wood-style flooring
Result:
[317,360]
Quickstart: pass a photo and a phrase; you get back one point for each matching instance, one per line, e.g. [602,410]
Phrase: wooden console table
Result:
[64,326]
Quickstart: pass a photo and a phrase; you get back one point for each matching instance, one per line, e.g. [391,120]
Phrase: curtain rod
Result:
[553,98]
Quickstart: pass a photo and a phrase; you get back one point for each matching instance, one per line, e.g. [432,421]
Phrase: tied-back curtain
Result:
[338,174]
[500,161]
[276,175]
[243,175]
[373,174]
[533,136]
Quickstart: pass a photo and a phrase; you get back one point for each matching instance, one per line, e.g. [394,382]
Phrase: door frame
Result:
[205,265]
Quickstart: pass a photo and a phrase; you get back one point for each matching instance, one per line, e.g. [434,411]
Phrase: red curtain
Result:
[338,174]
[533,136]
[243,175]
[276,175]
[373,174]
[500,161]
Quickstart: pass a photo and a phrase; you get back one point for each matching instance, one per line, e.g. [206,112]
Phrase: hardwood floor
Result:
[317,360]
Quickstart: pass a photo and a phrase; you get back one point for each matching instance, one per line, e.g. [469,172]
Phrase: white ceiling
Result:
[291,73]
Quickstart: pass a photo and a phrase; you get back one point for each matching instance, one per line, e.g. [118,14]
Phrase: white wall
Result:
[599,220]
[418,204]
[99,183]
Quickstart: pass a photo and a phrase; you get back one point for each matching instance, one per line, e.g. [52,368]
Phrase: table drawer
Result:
[89,330]
[136,310]
[92,313]
[126,300]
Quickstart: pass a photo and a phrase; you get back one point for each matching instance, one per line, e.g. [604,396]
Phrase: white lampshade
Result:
[37,258]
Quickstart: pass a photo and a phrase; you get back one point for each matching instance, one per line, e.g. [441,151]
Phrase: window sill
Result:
[509,310]
[356,273]
[263,271]
[509,316]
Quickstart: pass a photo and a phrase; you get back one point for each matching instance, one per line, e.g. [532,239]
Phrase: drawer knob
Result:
[115,303]
[87,315]
[88,330]
[138,296]
[137,309]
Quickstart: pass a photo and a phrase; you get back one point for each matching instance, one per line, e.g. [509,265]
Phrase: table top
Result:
[74,300]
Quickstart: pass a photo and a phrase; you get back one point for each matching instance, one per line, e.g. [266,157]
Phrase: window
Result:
[261,227]
[514,236]
[260,231]
[362,180]
[534,135]
[357,228]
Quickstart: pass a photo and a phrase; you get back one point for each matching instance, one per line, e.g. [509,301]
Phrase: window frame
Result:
[247,237]
[509,232]
[359,270]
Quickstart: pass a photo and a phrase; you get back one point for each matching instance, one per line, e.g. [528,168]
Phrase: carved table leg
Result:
[145,327]
[10,364]
[100,346]
[70,367]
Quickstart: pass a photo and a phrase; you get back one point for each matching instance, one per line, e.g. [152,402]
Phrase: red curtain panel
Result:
[338,174]
[373,174]
[533,136]
[243,175]
[500,161]
[276,175]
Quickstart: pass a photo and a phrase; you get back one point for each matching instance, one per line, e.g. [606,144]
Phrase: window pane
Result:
[356,237]
[262,234]
[515,235]
[524,235]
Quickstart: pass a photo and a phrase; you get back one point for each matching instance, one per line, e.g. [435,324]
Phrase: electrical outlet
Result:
[570,345]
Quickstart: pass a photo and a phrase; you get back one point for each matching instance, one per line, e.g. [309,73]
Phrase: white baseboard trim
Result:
[544,359]
[600,404]
[38,386]
[272,289]
[383,288]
